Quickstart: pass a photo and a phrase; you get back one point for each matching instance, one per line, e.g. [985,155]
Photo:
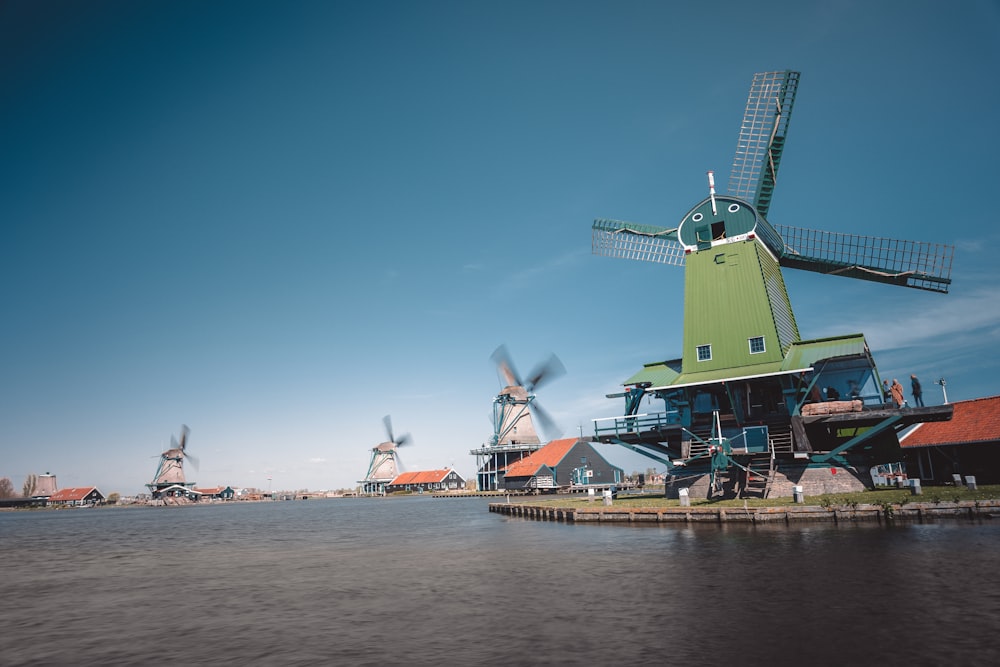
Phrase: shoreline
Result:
[887,512]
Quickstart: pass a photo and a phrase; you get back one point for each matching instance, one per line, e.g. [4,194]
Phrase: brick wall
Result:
[814,482]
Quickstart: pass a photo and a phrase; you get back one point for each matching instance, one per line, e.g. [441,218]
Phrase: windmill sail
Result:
[762,138]
[627,240]
[916,264]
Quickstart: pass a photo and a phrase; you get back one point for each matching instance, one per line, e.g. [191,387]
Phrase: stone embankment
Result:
[981,509]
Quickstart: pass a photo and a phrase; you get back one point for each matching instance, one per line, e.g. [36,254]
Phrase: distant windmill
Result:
[515,410]
[385,464]
[45,485]
[169,477]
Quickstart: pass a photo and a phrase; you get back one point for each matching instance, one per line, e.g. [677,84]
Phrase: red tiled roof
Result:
[420,477]
[73,493]
[549,455]
[977,420]
[214,491]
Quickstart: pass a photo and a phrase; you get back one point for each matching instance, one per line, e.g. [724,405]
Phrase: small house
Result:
[561,464]
[81,496]
[426,480]
[216,493]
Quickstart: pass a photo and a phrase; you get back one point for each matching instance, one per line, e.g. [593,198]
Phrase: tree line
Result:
[27,490]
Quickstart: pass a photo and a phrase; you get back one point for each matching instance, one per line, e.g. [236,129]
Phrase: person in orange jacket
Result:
[897,393]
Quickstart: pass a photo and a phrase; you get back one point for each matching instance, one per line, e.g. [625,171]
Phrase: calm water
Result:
[421,581]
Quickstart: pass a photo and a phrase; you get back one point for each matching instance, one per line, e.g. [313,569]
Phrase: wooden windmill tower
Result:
[385,464]
[514,410]
[745,378]
[169,477]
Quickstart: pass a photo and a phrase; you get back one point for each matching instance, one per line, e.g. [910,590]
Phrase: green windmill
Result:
[784,411]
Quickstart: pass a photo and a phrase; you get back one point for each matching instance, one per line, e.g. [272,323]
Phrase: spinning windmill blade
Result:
[543,373]
[517,404]
[761,143]
[399,442]
[183,446]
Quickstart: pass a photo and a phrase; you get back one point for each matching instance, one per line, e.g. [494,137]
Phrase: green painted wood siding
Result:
[734,292]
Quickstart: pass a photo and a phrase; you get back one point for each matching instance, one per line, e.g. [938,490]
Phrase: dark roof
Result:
[974,421]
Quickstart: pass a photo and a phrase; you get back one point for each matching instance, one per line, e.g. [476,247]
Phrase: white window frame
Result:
[763,346]
[708,348]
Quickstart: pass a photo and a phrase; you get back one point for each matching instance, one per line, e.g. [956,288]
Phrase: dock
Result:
[966,509]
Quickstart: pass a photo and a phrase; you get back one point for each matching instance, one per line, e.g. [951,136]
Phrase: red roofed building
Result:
[967,445]
[217,492]
[77,496]
[426,480]
[561,463]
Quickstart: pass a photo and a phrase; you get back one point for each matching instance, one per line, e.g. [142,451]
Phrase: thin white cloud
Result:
[530,276]
[953,321]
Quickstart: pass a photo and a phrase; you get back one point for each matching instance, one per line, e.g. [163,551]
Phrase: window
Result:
[704,353]
[756,345]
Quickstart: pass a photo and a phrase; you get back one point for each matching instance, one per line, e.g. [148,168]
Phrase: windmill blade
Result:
[390,437]
[387,421]
[399,463]
[545,372]
[915,264]
[193,459]
[184,434]
[505,366]
[628,240]
[762,137]
[545,421]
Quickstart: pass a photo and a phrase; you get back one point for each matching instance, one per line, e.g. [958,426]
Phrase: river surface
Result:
[425,581]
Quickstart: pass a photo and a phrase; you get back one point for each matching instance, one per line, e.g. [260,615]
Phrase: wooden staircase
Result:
[758,477]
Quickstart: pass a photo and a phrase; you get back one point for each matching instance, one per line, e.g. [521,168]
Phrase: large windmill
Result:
[385,464]
[749,403]
[515,410]
[169,478]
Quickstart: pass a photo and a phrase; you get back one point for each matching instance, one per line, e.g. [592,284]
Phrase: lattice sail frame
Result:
[628,240]
[762,137]
[761,142]
[916,264]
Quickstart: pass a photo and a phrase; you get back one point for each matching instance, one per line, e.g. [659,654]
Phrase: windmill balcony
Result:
[634,424]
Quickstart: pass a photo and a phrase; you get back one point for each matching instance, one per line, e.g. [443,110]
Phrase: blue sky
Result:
[277,222]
